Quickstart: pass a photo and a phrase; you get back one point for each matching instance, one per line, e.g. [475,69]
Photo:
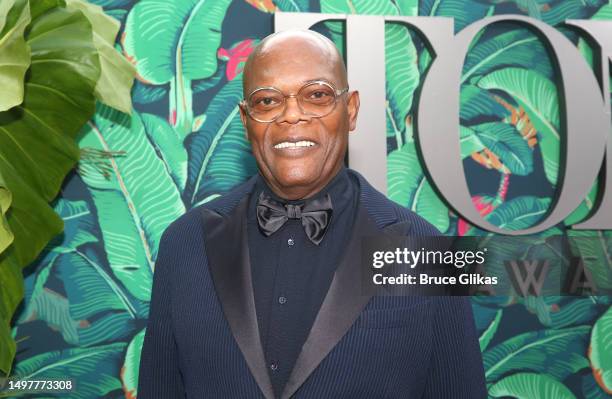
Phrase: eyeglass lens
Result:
[316,99]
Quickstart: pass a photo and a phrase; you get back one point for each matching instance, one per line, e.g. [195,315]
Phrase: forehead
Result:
[291,63]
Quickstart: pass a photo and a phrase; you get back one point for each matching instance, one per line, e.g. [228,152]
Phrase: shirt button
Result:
[282,300]
[290,242]
[273,366]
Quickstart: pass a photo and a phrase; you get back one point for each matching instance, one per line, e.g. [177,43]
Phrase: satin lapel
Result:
[341,307]
[228,258]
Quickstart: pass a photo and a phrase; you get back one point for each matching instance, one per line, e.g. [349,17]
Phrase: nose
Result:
[292,112]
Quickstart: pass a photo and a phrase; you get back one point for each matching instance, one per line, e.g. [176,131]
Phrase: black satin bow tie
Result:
[315,215]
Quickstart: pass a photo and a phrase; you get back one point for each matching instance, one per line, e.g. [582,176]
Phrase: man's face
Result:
[299,172]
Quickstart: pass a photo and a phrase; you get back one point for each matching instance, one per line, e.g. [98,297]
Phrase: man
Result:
[257,294]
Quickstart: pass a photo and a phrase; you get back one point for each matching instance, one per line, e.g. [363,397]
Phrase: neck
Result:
[302,192]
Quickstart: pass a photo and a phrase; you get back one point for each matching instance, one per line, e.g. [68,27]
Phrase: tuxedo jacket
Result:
[202,338]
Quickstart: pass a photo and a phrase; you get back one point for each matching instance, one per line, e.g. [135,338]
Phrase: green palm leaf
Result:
[62,76]
[569,312]
[6,235]
[110,327]
[519,213]
[517,48]
[131,365]
[51,307]
[137,202]
[104,309]
[114,8]
[457,9]
[530,386]
[404,174]
[292,5]
[487,335]
[169,145]
[14,52]
[477,103]
[172,39]
[79,226]
[117,74]
[219,155]
[469,142]
[530,7]
[557,353]
[485,310]
[600,350]
[591,390]
[93,310]
[538,96]
[37,146]
[605,12]
[507,143]
[574,312]
[11,281]
[7,279]
[94,370]
[409,187]
[566,10]
[408,7]
[89,286]
[175,42]
[88,291]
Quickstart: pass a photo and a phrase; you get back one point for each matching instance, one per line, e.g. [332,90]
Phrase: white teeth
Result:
[288,144]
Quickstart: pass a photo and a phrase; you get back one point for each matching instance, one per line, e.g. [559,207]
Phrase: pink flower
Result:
[263,5]
[483,205]
[236,56]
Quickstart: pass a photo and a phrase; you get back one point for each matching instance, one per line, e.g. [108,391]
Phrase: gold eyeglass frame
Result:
[337,94]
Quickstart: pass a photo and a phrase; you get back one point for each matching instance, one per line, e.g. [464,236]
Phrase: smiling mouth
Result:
[295,144]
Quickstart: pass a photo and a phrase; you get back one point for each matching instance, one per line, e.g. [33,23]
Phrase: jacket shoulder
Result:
[386,211]
[419,225]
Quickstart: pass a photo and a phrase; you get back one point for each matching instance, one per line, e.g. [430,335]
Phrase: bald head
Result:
[302,48]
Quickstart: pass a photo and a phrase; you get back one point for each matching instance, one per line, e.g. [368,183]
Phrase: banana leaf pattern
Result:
[87,295]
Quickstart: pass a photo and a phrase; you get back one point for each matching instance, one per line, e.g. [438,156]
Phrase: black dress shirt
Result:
[291,275]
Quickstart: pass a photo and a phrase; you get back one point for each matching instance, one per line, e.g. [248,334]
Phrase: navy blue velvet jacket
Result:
[202,339]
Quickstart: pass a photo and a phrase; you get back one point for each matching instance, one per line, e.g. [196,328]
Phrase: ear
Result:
[243,119]
[353,109]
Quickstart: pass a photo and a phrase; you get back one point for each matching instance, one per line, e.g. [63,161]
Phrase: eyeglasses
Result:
[316,99]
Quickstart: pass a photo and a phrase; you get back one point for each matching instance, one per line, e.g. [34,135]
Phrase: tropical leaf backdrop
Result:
[87,295]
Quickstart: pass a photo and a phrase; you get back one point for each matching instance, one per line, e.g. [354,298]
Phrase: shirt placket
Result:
[283,307]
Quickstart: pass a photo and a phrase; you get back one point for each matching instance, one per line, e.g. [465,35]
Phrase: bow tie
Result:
[315,215]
